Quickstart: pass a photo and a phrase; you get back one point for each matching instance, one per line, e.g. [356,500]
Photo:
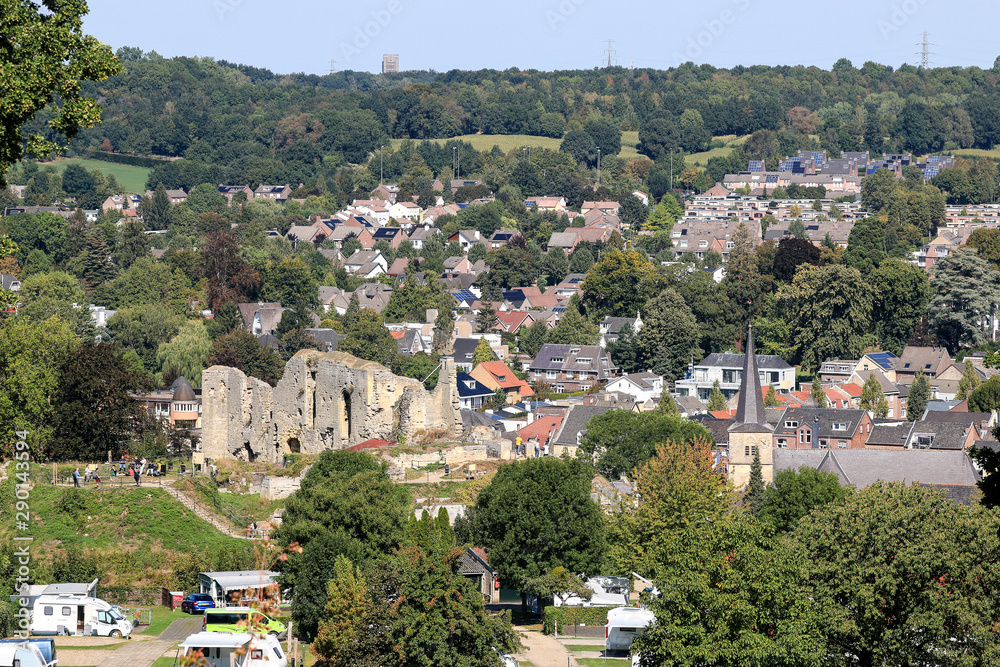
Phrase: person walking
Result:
[76,477]
[97,477]
[135,475]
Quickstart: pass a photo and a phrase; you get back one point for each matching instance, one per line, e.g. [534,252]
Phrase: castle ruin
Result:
[324,400]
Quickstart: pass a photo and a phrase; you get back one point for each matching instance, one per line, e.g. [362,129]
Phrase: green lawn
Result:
[585,647]
[596,662]
[508,142]
[132,179]
[162,618]
[163,662]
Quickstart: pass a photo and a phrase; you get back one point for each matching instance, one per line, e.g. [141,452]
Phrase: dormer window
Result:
[840,427]
[791,424]
[557,360]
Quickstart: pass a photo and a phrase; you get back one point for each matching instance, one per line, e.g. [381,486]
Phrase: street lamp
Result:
[380,164]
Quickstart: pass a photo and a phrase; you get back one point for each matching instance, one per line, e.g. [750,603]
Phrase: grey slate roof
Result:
[942,435]
[545,359]
[328,338]
[719,428]
[823,420]
[750,415]
[895,434]
[961,417]
[576,422]
[733,360]
[864,467]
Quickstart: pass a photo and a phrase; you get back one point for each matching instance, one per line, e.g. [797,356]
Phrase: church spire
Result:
[750,409]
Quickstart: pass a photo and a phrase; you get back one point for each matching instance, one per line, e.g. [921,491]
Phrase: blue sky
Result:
[304,35]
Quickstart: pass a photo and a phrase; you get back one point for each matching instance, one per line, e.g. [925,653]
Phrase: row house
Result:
[547,204]
[569,368]
[175,196]
[819,428]
[838,231]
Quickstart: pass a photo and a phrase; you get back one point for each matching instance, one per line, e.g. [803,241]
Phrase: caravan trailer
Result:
[625,624]
[233,649]
[75,615]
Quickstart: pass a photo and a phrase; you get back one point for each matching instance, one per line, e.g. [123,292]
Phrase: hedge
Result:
[573,616]
[134,160]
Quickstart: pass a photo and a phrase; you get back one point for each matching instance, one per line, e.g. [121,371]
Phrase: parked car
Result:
[238,619]
[197,602]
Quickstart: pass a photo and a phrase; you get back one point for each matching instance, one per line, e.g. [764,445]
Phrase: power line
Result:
[611,54]
[333,68]
[925,51]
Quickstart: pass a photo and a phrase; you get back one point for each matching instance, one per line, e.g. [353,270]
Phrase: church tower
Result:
[750,432]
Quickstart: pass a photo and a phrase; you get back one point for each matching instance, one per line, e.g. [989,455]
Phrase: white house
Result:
[405,209]
[727,369]
[640,386]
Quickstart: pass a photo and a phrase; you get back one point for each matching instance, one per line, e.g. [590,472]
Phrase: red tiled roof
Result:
[723,414]
[542,428]
[371,444]
[853,390]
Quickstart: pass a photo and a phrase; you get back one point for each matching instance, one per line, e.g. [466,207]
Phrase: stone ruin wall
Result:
[324,400]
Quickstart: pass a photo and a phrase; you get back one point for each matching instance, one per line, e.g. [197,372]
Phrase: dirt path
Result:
[542,650]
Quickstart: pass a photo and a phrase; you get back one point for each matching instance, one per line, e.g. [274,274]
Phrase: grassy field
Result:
[976,152]
[162,618]
[508,142]
[133,179]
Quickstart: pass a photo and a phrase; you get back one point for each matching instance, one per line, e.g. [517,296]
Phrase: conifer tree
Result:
[754,498]
[818,395]
[716,399]
[916,401]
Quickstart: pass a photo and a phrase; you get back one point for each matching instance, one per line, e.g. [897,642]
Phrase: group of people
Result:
[134,471]
[520,449]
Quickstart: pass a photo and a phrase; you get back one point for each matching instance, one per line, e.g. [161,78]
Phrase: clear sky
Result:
[305,35]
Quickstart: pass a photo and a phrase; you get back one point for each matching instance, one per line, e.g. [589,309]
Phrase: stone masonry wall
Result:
[324,400]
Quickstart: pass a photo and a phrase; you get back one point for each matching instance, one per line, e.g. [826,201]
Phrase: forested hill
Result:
[196,105]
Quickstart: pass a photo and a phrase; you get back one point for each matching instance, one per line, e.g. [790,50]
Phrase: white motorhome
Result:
[625,624]
[75,615]
[23,654]
[234,649]
[607,592]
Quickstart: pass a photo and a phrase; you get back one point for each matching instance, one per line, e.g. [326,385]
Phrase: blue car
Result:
[197,602]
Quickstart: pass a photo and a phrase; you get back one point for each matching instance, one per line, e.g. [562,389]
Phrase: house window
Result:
[823,444]
[559,388]
[746,450]
[782,443]
[841,444]
[557,360]
[584,360]
[550,375]
[731,377]
[805,436]
[840,427]
[791,424]
[575,350]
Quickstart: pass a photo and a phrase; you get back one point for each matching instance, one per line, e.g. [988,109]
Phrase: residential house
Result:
[180,405]
[837,371]
[890,435]
[610,327]
[466,238]
[115,203]
[822,428]
[464,352]
[502,237]
[563,242]
[386,192]
[405,210]
[278,193]
[574,428]
[342,232]
[547,204]
[391,235]
[569,286]
[366,264]
[496,375]
[640,386]
[10,282]
[302,234]
[100,315]
[175,196]
[927,360]
[471,393]
[327,339]
[604,207]
[895,394]
[945,434]
[230,191]
[569,368]
[727,369]
[374,296]
[540,433]
[946,382]
[512,322]
[421,235]
[410,342]
[261,317]
[474,565]
[454,266]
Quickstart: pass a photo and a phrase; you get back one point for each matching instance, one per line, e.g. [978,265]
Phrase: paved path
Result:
[543,650]
[143,654]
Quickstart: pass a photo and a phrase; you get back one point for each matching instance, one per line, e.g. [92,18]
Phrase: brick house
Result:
[572,367]
[818,428]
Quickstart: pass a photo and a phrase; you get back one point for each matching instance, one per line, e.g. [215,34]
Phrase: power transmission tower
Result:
[611,53]
[333,68]
[925,51]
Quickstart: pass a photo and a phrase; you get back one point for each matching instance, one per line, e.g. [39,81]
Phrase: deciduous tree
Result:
[796,493]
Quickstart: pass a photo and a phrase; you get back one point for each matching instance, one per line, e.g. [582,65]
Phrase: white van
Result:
[625,624]
[218,649]
[23,654]
[75,615]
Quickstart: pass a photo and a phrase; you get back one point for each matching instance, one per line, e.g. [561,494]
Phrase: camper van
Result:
[237,619]
[233,649]
[625,624]
[75,615]
[45,645]
[22,654]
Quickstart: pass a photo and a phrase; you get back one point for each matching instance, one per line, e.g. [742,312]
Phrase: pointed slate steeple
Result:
[750,417]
